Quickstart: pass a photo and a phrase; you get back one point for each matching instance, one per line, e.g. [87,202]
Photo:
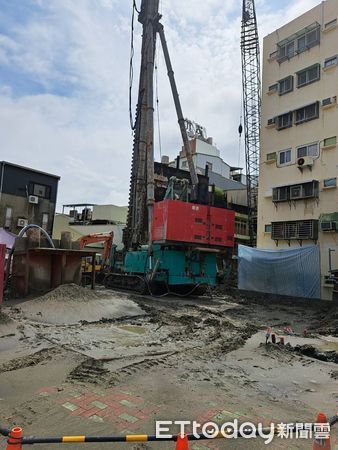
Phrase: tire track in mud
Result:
[93,371]
[97,371]
[46,354]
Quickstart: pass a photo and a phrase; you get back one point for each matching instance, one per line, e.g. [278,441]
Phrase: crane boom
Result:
[251,81]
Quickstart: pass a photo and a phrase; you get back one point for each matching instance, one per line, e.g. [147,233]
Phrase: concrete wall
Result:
[110,212]
[204,153]
[325,165]
[22,209]
[61,223]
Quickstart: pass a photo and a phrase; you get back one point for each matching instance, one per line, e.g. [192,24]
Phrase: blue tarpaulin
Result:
[294,272]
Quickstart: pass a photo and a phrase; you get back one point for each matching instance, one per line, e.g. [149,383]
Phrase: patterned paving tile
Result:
[128,418]
[96,418]
[127,403]
[98,404]
[70,406]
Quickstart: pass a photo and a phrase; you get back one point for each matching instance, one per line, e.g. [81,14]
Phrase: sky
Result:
[64,77]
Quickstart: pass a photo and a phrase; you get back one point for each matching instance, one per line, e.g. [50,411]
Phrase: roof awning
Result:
[329,217]
[294,36]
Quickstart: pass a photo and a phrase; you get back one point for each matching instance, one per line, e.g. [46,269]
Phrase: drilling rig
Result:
[169,246]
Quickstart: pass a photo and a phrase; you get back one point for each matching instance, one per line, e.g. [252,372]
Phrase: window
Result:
[330,182]
[241,226]
[8,217]
[299,42]
[184,164]
[273,88]
[280,194]
[290,49]
[296,192]
[331,24]
[41,190]
[329,62]
[308,75]
[285,85]
[284,121]
[308,150]
[330,141]
[271,156]
[45,218]
[268,228]
[286,51]
[307,113]
[329,101]
[297,229]
[209,166]
[313,38]
[284,157]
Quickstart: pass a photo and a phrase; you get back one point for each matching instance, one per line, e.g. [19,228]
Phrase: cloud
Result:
[64,84]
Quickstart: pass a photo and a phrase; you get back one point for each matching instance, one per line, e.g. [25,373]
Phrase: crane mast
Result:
[251,107]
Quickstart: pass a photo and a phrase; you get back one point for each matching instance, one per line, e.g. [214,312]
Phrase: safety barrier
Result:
[16,439]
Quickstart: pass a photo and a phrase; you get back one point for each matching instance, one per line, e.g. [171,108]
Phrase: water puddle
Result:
[133,329]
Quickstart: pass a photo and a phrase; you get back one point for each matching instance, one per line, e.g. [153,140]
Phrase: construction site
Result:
[203,315]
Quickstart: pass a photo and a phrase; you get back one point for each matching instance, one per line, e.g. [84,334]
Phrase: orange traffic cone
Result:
[182,443]
[319,443]
[14,441]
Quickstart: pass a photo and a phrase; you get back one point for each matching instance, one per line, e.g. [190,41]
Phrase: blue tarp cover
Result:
[294,272]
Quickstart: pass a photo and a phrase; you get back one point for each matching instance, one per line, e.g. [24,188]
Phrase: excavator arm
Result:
[107,239]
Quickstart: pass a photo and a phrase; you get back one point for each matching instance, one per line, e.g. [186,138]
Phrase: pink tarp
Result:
[7,238]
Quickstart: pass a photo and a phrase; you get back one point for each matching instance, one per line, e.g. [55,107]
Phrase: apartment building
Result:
[27,196]
[298,196]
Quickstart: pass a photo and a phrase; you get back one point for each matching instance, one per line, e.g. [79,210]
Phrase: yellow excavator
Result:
[103,262]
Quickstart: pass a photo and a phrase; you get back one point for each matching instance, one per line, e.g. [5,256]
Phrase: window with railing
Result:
[295,230]
[284,121]
[285,85]
[298,42]
[308,75]
[308,150]
[300,191]
[241,226]
[307,113]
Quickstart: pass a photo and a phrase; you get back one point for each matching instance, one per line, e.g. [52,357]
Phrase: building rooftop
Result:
[6,163]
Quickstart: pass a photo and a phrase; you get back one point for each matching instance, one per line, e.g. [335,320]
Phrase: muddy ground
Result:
[110,363]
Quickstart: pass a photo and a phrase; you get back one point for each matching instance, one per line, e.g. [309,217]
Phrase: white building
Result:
[298,201]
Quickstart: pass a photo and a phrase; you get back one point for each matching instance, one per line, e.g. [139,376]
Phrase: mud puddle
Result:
[263,368]
[133,329]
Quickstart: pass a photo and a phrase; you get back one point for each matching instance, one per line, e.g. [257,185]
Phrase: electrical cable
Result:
[134,6]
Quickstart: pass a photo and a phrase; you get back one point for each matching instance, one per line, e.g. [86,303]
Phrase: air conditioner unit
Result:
[328,226]
[22,223]
[329,101]
[272,121]
[33,199]
[296,192]
[305,161]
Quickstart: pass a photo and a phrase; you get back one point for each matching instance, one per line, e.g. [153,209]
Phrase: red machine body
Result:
[177,221]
